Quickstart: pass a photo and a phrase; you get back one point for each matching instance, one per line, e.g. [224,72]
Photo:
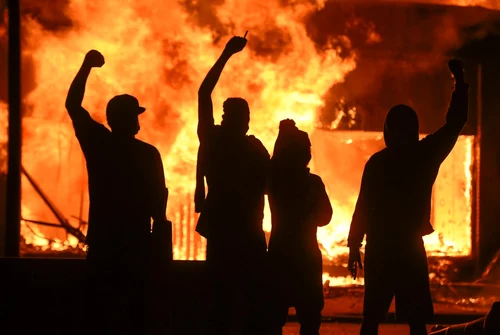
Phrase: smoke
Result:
[402,54]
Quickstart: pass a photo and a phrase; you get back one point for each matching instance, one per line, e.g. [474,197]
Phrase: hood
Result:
[292,148]
[401,126]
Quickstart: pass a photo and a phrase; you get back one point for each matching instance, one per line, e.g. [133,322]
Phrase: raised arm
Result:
[205,108]
[442,141]
[77,88]
[458,111]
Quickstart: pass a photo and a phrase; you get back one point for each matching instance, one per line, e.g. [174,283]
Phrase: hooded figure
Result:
[299,204]
[401,126]
[394,210]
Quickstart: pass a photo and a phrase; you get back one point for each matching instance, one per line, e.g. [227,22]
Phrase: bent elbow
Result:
[203,92]
[71,105]
[68,105]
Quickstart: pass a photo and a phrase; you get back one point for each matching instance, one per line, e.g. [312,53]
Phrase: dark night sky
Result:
[401,51]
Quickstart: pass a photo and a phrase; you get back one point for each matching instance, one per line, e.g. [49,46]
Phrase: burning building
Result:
[334,67]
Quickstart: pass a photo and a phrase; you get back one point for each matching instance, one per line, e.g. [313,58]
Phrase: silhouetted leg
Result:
[307,285]
[278,314]
[309,304]
[369,327]
[220,312]
[379,287]
[256,315]
[278,297]
[134,305]
[256,294]
[309,317]
[278,319]
[413,294]
[99,308]
[418,328]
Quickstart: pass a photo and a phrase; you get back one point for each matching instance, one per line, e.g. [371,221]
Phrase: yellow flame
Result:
[160,53]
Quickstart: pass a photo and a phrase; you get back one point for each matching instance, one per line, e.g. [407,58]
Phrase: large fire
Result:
[160,52]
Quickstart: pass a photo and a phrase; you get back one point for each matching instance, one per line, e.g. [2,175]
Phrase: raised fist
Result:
[235,44]
[94,59]
[456,68]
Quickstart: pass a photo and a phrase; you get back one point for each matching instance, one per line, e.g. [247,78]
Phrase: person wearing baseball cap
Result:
[122,114]
[126,191]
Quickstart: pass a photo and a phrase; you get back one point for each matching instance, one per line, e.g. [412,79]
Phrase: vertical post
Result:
[13,212]
[477,169]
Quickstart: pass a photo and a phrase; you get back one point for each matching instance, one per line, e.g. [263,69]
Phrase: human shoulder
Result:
[151,149]
[255,143]
[376,160]
[91,132]
[315,178]
[377,157]
[91,126]
[213,135]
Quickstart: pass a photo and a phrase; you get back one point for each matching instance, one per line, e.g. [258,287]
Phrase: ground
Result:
[335,328]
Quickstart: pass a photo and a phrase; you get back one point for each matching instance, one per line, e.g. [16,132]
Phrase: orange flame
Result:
[160,53]
[157,54]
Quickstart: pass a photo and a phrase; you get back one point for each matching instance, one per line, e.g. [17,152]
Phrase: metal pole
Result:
[13,208]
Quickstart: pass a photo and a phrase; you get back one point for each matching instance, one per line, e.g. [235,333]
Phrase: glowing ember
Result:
[341,281]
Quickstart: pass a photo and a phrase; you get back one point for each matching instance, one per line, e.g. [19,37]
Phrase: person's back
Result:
[402,180]
[122,174]
[299,205]
[394,210]
[235,175]
[296,202]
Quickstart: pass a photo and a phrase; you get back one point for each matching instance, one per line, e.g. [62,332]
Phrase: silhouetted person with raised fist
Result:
[126,190]
[393,211]
[234,166]
[299,205]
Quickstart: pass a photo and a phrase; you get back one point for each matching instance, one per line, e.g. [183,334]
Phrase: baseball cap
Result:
[123,102]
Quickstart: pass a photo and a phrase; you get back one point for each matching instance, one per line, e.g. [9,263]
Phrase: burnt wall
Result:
[402,50]
[485,53]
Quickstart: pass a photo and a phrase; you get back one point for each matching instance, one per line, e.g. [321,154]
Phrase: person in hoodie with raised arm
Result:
[393,210]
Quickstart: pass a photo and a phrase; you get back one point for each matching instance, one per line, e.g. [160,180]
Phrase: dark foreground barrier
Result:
[46,296]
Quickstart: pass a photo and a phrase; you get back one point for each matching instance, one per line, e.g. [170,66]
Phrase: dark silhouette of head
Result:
[292,148]
[236,117]
[122,113]
[401,126]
